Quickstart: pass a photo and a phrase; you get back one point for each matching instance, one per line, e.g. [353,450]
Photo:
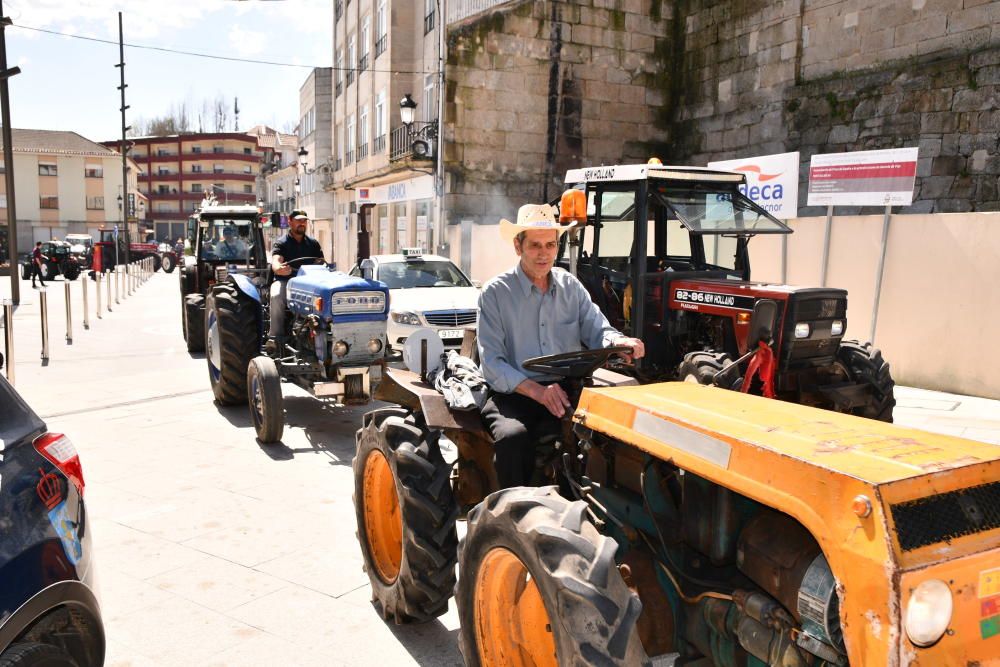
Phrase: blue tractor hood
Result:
[334,295]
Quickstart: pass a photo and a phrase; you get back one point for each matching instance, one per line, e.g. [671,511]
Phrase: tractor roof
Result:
[215,212]
[637,172]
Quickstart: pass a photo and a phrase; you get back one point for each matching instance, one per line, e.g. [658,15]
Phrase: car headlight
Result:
[802,330]
[404,317]
[836,327]
[928,612]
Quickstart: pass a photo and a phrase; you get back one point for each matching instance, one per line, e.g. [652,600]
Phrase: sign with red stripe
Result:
[863,178]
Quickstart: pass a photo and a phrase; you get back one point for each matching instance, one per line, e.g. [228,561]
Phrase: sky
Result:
[67,83]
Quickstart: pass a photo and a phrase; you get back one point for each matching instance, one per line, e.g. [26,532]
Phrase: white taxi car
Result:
[426,291]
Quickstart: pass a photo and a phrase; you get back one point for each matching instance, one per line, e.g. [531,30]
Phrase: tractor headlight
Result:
[802,330]
[404,317]
[928,612]
[836,327]
[340,348]
[374,345]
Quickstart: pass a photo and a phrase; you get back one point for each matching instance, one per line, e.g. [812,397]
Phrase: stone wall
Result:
[535,88]
[823,76]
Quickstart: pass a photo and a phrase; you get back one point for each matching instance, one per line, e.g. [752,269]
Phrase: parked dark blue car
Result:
[49,613]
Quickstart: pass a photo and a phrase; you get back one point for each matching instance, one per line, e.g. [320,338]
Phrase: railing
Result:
[380,45]
[462,9]
[350,76]
[429,22]
[338,164]
[362,150]
[349,158]
[339,89]
[402,138]
[338,10]
[362,63]
[378,146]
[399,143]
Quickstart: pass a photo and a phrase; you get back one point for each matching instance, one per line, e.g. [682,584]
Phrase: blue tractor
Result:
[334,345]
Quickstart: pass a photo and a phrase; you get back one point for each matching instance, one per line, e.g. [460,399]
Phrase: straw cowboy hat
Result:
[532,216]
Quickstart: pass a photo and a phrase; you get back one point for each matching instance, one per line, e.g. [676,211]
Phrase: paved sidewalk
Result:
[210,549]
[213,550]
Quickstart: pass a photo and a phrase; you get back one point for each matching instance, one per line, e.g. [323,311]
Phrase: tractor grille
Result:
[947,516]
[450,318]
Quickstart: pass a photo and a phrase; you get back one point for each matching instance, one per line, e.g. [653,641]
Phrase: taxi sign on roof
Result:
[412,253]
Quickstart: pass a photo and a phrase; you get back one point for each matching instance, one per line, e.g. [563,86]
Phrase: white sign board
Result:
[421,187]
[863,178]
[772,182]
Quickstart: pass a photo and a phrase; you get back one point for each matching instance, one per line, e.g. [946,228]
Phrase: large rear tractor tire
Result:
[406,516]
[264,396]
[230,342]
[538,586]
[70,270]
[194,322]
[702,367]
[865,364]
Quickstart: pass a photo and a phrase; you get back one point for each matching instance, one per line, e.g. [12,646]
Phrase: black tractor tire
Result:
[702,367]
[235,315]
[193,311]
[592,614]
[47,272]
[26,272]
[399,470]
[168,263]
[36,654]
[70,270]
[157,262]
[264,395]
[865,364]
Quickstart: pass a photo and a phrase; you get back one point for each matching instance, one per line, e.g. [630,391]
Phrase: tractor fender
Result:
[245,285]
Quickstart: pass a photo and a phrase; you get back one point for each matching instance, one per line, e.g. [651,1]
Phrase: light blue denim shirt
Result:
[518,321]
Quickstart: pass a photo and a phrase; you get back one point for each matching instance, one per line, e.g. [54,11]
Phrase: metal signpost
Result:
[863,178]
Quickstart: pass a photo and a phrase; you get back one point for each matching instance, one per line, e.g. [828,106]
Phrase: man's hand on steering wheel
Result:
[638,348]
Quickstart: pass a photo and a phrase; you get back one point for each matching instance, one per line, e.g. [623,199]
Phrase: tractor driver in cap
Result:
[288,253]
[534,309]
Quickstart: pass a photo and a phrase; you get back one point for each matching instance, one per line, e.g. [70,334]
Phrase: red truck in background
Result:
[112,244]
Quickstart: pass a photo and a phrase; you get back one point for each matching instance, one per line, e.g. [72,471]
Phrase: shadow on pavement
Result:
[430,644]
[237,415]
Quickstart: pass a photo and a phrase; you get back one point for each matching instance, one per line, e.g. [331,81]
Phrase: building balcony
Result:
[429,22]
[380,45]
[350,76]
[339,88]
[362,63]
[378,146]
[362,150]
[349,157]
[200,175]
[189,157]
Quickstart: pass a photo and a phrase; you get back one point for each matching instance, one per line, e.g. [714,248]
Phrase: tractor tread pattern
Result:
[593,613]
[194,322]
[704,365]
[426,577]
[236,320]
[864,362]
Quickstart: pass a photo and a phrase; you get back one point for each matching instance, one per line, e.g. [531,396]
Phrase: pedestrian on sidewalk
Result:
[36,263]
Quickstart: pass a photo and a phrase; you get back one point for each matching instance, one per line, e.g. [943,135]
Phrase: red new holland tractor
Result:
[664,252]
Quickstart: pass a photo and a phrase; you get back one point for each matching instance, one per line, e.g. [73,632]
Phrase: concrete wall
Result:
[940,306]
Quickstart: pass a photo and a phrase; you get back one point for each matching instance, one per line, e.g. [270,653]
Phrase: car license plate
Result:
[451,333]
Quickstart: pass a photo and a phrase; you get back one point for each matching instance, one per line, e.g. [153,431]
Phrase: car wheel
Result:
[167,263]
[36,654]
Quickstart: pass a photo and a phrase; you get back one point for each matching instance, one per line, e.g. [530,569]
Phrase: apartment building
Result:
[278,167]
[65,184]
[315,155]
[179,171]
[383,50]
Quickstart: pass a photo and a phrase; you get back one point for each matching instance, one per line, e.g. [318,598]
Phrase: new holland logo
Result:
[714,299]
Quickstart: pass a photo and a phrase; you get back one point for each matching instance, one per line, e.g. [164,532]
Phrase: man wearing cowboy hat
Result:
[535,309]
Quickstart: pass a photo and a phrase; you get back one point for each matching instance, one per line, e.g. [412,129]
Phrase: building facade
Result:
[65,184]
[179,171]
[315,141]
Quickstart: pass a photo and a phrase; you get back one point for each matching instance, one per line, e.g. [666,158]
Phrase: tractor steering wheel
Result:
[575,365]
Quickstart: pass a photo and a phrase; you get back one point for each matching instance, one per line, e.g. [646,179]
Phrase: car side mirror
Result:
[762,322]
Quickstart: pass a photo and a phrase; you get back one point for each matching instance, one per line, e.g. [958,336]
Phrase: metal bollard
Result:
[8,336]
[44,304]
[107,287]
[117,274]
[69,315]
[98,292]
[86,306]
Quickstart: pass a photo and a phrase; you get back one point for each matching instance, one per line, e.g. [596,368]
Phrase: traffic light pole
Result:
[124,145]
[8,161]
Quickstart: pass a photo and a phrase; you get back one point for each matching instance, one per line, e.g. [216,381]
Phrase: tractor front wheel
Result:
[702,367]
[230,342]
[539,585]
[864,364]
[264,395]
[168,263]
[406,516]
[193,313]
